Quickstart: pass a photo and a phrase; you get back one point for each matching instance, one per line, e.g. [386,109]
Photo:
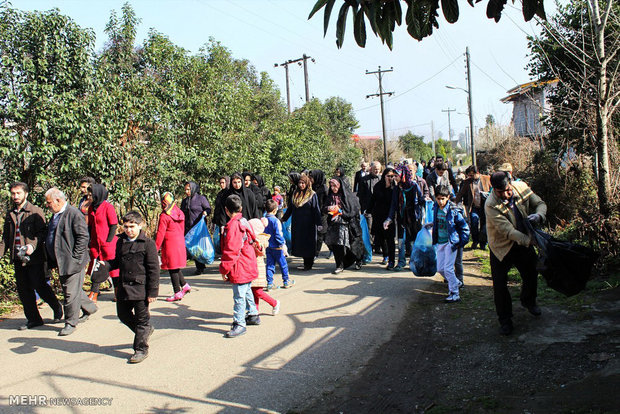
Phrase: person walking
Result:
[66,245]
[248,202]
[473,194]
[195,207]
[506,209]
[344,234]
[170,241]
[23,236]
[379,207]
[102,225]
[306,217]
[318,186]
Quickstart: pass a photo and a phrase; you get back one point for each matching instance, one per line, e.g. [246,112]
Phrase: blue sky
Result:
[273,31]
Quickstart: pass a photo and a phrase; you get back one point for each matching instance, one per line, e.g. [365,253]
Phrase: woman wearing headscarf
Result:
[248,181]
[265,193]
[306,217]
[248,201]
[195,207]
[379,207]
[344,233]
[102,224]
[407,207]
[319,187]
[170,240]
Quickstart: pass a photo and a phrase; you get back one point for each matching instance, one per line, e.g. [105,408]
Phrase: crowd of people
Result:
[393,204]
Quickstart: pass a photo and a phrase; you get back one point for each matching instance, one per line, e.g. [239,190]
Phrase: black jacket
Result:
[364,190]
[139,268]
[32,228]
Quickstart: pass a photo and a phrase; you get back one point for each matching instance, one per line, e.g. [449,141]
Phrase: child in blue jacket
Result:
[275,253]
[450,232]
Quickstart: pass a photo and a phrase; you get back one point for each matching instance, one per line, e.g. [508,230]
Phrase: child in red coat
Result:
[170,240]
[239,266]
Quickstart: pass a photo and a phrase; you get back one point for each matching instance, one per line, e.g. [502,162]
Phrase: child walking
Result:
[239,266]
[170,240]
[450,232]
[279,201]
[261,281]
[277,245]
[138,285]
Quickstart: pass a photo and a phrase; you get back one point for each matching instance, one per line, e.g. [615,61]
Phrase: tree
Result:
[580,46]
[414,146]
[420,16]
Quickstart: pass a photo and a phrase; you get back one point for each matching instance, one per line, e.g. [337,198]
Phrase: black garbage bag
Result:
[565,266]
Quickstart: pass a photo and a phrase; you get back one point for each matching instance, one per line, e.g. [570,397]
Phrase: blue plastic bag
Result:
[286,232]
[216,239]
[423,260]
[429,212]
[199,244]
[366,238]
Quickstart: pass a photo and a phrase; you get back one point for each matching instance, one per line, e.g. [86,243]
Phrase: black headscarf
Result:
[318,185]
[348,201]
[294,177]
[99,194]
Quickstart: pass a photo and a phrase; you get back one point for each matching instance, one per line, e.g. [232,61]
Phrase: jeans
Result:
[445,265]
[477,222]
[276,256]
[403,246]
[244,301]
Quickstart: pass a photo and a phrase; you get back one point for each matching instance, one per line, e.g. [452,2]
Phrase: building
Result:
[529,106]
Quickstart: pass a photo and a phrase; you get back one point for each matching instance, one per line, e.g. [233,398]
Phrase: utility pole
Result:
[433,135]
[449,125]
[471,113]
[298,61]
[380,95]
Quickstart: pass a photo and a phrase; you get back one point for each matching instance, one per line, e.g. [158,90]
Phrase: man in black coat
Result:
[359,175]
[66,246]
[364,192]
[23,235]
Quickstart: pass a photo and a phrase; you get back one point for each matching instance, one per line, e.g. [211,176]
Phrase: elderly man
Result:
[357,179]
[365,189]
[22,237]
[66,246]
[507,208]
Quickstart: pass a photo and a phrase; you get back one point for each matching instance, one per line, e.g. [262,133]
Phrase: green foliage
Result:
[415,147]
[142,119]
[420,16]
[443,148]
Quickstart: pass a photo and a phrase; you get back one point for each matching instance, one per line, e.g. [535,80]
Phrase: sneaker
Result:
[390,266]
[288,284]
[338,270]
[138,357]
[269,287]
[186,289]
[252,320]
[384,261]
[276,309]
[398,269]
[30,325]
[452,298]
[235,330]
[358,265]
[176,297]
[461,284]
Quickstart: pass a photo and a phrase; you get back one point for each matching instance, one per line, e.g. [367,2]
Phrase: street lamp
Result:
[471,121]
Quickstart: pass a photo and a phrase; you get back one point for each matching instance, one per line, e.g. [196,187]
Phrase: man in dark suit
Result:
[357,179]
[23,235]
[66,246]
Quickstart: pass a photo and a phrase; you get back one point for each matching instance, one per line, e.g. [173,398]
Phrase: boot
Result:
[93,296]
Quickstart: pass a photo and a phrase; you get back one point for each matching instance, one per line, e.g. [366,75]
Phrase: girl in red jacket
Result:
[170,240]
[239,266]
